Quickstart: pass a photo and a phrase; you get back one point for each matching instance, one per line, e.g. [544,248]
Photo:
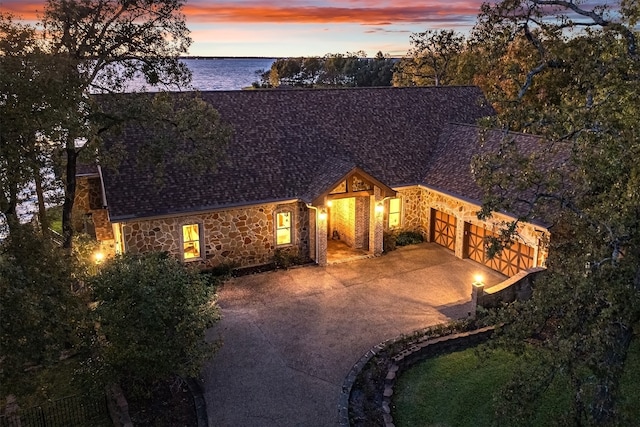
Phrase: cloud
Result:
[364,12]
[24,10]
[428,11]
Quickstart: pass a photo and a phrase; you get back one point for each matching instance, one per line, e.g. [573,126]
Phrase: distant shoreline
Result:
[228,57]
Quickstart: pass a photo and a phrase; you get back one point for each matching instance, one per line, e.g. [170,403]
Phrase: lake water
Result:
[221,73]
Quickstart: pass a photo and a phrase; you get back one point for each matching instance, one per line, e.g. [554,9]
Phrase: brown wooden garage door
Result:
[443,229]
[510,261]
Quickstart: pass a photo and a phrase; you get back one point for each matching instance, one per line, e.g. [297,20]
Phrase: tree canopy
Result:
[332,70]
[569,72]
[88,47]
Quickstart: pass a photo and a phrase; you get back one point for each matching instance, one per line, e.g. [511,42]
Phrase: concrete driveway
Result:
[290,337]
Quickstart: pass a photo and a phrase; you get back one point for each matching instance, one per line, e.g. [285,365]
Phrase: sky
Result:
[305,27]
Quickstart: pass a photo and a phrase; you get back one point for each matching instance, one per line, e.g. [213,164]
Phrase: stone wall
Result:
[417,205]
[88,207]
[240,237]
[412,209]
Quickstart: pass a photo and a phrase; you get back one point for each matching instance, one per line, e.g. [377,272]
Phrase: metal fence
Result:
[72,411]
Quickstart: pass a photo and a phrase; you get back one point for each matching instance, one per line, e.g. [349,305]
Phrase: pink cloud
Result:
[370,15]
[367,12]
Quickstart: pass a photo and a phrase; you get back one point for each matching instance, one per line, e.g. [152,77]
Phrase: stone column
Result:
[376,224]
[477,291]
[313,234]
[459,252]
[321,236]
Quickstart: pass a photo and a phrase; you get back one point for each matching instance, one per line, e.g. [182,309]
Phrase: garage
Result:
[510,261]
[443,229]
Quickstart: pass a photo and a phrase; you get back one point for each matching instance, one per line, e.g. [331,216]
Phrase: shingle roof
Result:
[291,144]
[450,167]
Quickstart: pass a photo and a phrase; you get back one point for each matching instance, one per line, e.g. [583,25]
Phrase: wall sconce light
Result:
[99,257]
[329,203]
[379,208]
[322,215]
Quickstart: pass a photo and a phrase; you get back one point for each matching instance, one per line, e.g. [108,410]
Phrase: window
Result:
[394,212]
[283,228]
[191,241]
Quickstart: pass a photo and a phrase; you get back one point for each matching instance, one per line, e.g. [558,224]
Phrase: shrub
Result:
[152,312]
[283,258]
[389,241]
[405,238]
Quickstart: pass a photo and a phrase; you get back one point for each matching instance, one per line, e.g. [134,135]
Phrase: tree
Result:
[153,312]
[40,314]
[431,60]
[29,81]
[101,44]
[569,72]
[332,70]
[97,46]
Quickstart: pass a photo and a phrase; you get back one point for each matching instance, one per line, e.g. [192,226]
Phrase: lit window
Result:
[191,241]
[394,213]
[283,228]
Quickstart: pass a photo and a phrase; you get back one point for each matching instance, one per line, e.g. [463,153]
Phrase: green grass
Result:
[451,390]
[458,389]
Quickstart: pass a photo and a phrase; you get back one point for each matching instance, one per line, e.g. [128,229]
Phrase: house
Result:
[308,166]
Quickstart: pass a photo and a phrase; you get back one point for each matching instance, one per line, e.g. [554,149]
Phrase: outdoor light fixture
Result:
[98,256]
[379,208]
[323,215]
[329,203]
[478,280]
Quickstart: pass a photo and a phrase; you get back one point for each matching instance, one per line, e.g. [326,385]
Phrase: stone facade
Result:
[245,236]
[89,215]
[419,201]
[239,237]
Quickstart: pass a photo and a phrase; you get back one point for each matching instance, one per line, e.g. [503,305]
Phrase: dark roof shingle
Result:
[289,144]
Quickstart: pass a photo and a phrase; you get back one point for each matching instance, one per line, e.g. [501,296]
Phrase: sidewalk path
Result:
[290,337]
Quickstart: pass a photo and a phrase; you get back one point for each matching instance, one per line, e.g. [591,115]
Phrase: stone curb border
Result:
[415,351]
[195,386]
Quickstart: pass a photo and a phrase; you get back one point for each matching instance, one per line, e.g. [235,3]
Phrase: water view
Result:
[221,73]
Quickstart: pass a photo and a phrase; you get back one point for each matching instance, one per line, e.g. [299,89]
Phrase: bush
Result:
[283,258]
[40,315]
[152,312]
[405,238]
[389,241]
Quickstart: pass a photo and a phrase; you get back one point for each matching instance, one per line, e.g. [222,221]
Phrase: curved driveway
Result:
[290,337]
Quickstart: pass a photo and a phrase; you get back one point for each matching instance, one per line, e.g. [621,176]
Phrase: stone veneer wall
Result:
[417,205]
[88,200]
[411,214]
[240,237]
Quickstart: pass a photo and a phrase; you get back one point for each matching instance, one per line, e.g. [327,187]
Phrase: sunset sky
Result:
[305,27]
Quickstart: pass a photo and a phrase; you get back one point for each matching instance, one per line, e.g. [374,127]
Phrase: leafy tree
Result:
[93,46]
[431,60]
[569,72]
[29,82]
[332,70]
[40,313]
[152,312]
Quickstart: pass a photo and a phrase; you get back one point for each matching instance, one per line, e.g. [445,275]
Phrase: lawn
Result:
[458,389]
